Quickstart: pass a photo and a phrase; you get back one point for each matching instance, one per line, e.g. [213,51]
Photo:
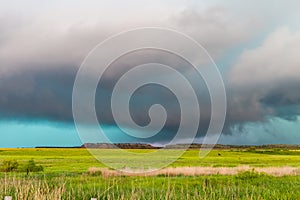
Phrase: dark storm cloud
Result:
[286,94]
[260,103]
[45,94]
[149,95]
[285,100]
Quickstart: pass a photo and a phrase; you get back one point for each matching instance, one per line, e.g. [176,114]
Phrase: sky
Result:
[254,44]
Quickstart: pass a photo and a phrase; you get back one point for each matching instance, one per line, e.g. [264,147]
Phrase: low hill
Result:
[118,145]
[181,146]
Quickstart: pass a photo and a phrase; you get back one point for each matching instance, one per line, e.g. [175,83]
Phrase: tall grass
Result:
[30,188]
[246,185]
[197,171]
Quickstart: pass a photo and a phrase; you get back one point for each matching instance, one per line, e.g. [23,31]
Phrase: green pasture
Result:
[79,160]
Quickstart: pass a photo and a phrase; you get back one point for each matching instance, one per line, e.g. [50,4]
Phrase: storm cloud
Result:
[265,80]
[41,56]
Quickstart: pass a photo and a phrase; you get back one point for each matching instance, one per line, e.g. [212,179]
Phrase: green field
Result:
[79,160]
[66,176]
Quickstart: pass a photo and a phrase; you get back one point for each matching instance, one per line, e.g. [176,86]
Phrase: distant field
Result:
[66,176]
[79,160]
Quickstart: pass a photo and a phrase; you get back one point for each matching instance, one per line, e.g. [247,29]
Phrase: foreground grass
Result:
[246,185]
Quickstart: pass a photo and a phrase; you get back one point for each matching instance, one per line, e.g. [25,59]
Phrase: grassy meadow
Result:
[66,175]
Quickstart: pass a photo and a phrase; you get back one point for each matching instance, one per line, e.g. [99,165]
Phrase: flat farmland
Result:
[223,174]
[79,160]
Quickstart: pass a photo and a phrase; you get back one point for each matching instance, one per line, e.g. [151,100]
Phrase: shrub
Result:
[9,165]
[32,167]
[250,175]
